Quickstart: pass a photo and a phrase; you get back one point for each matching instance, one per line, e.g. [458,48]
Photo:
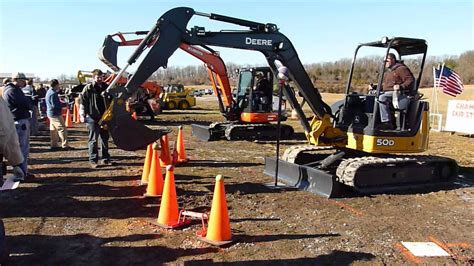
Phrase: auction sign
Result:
[460,116]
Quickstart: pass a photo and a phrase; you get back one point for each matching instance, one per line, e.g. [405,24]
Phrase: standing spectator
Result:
[4,83]
[41,92]
[92,108]
[57,127]
[9,145]
[20,107]
[10,148]
[30,92]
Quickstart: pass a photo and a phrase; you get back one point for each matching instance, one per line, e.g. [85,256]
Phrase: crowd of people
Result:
[22,106]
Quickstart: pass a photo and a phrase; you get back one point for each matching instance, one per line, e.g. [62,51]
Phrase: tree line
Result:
[327,77]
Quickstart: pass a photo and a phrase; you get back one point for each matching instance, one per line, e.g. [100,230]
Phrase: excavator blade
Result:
[304,177]
[204,132]
[127,133]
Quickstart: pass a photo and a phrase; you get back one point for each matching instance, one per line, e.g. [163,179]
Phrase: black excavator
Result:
[346,148]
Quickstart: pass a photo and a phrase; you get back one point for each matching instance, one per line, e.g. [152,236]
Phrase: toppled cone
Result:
[168,216]
[218,230]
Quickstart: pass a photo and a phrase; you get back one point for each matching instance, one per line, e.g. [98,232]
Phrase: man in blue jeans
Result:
[93,106]
[20,107]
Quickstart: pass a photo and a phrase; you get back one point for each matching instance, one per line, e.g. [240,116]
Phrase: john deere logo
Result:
[261,42]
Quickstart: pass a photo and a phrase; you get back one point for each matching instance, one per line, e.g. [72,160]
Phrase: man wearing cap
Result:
[93,106]
[20,107]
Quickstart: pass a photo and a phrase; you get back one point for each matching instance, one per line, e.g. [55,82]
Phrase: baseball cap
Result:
[19,75]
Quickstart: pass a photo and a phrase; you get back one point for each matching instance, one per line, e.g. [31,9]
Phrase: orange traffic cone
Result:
[218,231]
[168,216]
[68,118]
[134,115]
[147,164]
[180,147]
[76,115]
[165,156]
[155,178]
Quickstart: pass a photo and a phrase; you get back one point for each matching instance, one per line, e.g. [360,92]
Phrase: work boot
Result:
[106,162]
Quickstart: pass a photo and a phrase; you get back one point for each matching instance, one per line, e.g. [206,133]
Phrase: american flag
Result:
[448,80]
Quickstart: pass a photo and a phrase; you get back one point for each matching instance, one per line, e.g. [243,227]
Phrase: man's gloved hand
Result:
[18,173]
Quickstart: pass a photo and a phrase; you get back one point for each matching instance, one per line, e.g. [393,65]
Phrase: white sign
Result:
[460,116]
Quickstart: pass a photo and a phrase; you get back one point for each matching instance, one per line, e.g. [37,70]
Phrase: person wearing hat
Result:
[93,106]
[20,107]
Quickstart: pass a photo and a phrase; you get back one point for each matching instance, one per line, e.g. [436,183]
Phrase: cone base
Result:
[151,196]
[177,225]
[216,243]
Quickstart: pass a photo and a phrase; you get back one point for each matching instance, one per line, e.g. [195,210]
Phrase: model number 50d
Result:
[385,142]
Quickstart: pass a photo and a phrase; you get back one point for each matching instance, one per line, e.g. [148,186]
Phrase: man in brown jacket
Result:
[397,77]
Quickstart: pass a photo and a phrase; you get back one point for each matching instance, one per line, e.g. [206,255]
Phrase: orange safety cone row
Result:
[168,216]
[218,230]
[181,152]
[147,164]
[155,178]
[68,118]
[165,156]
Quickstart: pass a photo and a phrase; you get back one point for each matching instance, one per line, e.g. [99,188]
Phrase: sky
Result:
[51,37]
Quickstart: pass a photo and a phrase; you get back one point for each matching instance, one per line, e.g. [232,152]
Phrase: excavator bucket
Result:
[304,177]
[127,133]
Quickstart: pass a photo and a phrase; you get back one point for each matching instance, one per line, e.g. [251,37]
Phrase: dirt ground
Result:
[74,215]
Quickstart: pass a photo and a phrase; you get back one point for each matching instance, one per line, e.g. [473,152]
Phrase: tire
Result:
[170,105]
[184,105]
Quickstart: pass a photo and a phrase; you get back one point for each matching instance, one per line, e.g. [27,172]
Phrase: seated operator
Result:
[397,77]
[260,90]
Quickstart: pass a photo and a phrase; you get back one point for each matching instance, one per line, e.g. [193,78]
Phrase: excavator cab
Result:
[360,111]
[254,95]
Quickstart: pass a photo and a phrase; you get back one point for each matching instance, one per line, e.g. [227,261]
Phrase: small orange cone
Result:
[180,147]
[134,115]
[218,231]
[147,164]
[165,156]
[155,178]
[68,118]
[168,216]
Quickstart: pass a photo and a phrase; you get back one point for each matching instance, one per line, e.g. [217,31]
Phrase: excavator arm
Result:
[264,38]
[170,33]
[215,65]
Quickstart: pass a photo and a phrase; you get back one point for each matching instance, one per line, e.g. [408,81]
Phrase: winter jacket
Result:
[93,101]
[53,105]
[398,74]
[9,145]
[17,102]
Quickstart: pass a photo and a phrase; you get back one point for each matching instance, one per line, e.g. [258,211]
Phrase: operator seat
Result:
[401,102]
